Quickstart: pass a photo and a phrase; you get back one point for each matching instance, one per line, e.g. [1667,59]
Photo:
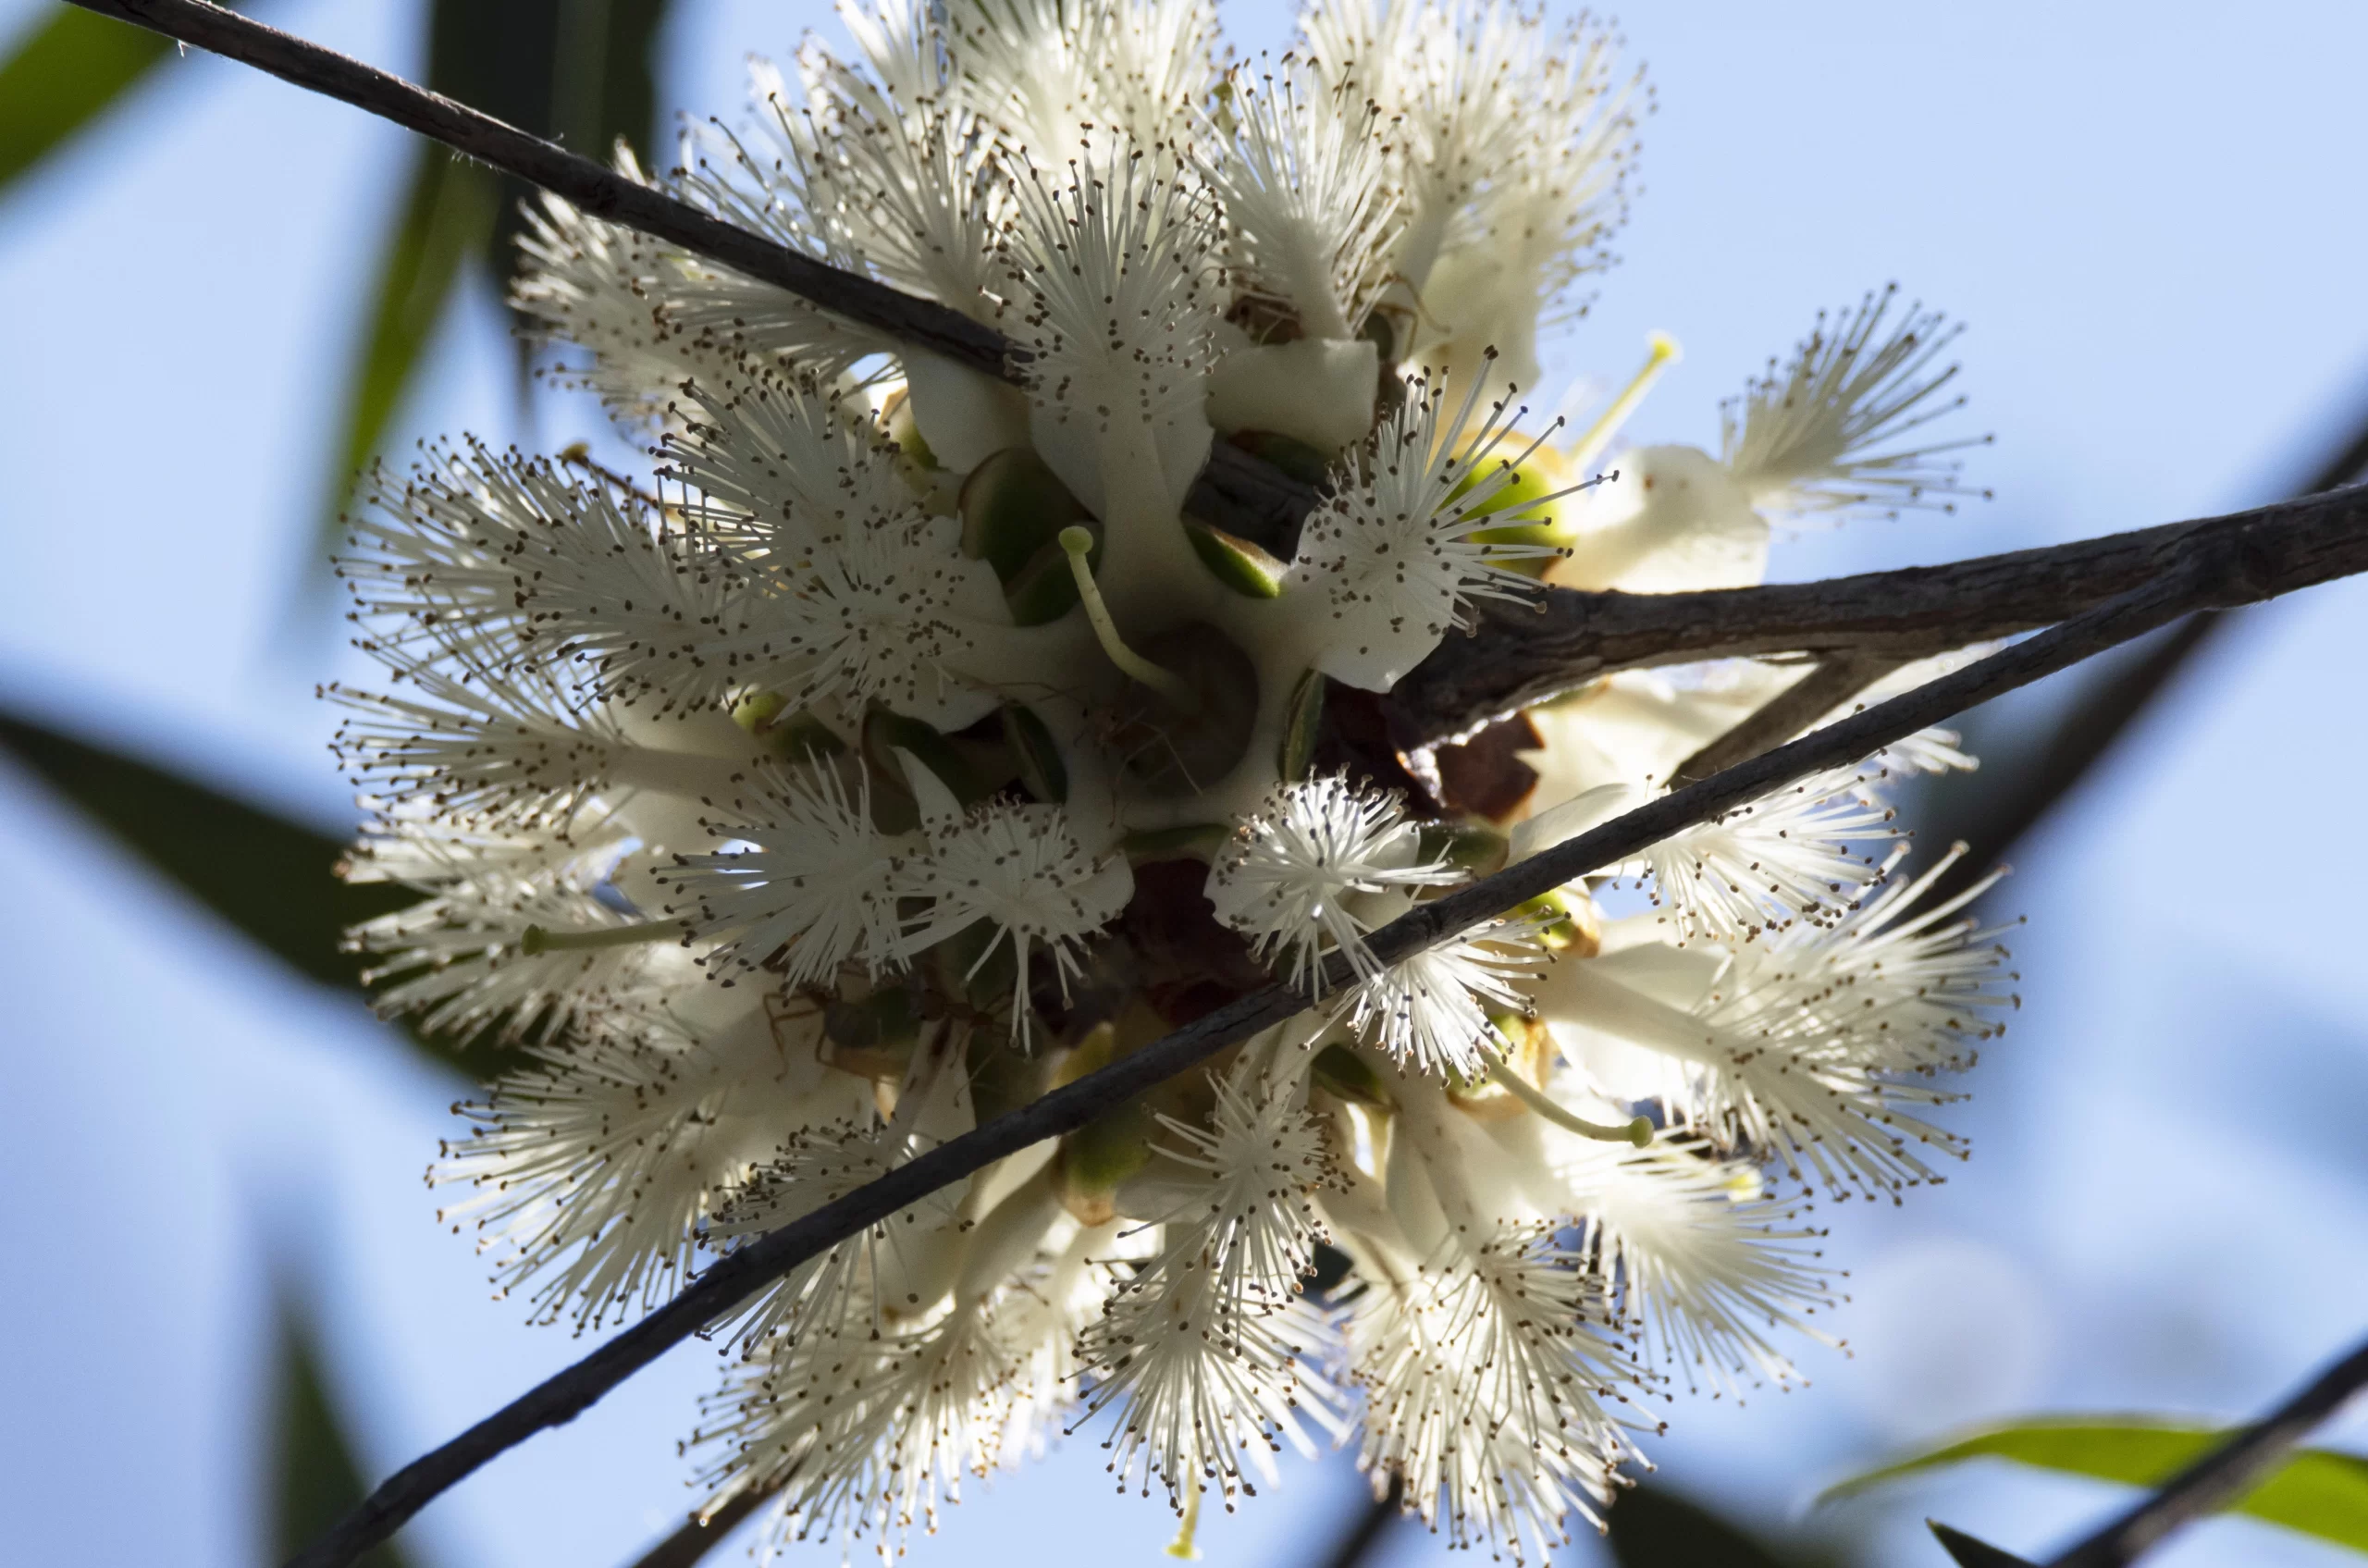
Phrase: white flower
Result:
[489,738]
[743,795]
[633,604]
[1048,1316]
[779,459]
[459,961]
[1200,1352]
[814,887]
[1515,145]
[1783,858]
[1291,877]
[1813,1048]
[1804,438]
[1048,72]
[1020,870]
[879,617]
[1706,1267]
[1431,1012]
[1676,519]
[1390,556]
[1264,1158]
[899,176]
[1304,190]
[592,1171]
[1117,316]
[818,1166]
[860,1433]
[1200,1381]
[652,314]
[863,1425]
[1484,1374]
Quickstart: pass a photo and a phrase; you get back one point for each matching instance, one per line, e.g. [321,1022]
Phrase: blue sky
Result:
[2148,217]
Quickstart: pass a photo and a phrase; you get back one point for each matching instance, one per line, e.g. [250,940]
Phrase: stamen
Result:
[1639,1131]
[538,940]
[1665,352]
[1079,542]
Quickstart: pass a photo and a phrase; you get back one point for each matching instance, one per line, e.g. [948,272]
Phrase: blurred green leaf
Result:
[1651,1527]
[2318,1493]
[64,75]
[577,70]
[273,878]
[1967,1551]
[448,219]
[315,1480]
[267,876]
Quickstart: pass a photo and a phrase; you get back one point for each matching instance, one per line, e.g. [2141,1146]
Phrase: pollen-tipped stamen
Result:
[1664,354]
[538,940]
[1637,1130]
[1077,542]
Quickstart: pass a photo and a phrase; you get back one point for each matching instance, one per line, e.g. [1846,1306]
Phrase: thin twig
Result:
[1837,679]
[2157,575]
[1236,491]
[1523,653]
[1518,659]
[2225,1475]
[2004,810]
[1519,656]
[2220,570]
[599,191]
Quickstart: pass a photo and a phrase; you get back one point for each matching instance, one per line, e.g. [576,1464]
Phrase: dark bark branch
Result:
[1237,491]
[2216,569]
[2157,575]
[599,191]
[1520,654]
[1835,681]
[2004,810]
[2225,1475]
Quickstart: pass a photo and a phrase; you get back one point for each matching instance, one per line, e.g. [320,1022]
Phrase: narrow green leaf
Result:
[1651,1527]
[608,79]
[2318,1492]
[521,61]
[445,219]
[269,877]
[580,71]
[67,72]
[315,1478]
[272,879]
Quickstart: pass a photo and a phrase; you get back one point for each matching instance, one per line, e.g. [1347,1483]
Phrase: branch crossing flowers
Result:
[905,747]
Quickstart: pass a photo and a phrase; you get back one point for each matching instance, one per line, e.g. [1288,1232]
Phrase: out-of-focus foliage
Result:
[62,75]
[1967,1552]
[1653,1527]
[270,878]
[578,71]
[2318,1492]
[315,1480]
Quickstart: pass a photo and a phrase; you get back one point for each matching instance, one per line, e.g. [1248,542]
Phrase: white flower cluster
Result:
[909,745]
